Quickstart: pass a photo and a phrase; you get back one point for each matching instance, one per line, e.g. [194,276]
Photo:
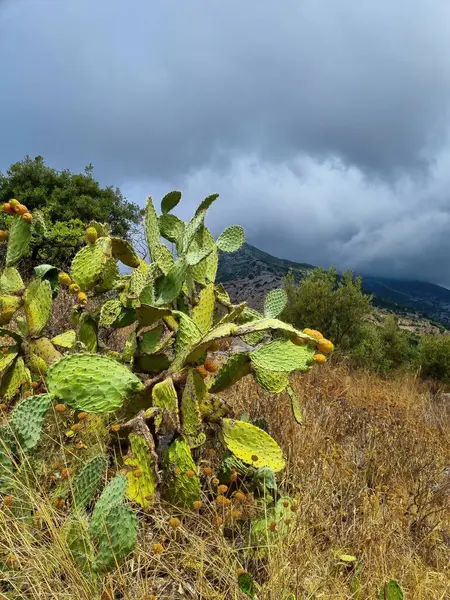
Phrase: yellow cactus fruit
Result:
[77,427]
[82,298]
[174,523]
[202,371]
[91,235]
[215,481]
[74,288]
[27,217]
[325,346]
[64,278]
[211,365]
[223,501]
[313,333]
[21,209]
[320,358]
[197,505]
[3,236]
[14,203]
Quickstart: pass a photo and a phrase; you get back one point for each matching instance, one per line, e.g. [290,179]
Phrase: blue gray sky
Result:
[323,124]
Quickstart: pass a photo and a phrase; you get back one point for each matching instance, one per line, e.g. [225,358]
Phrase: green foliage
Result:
[334,305]
[433,357]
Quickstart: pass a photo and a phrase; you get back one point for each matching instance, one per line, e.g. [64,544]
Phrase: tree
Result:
[66,200]
[333,304]
[434,357]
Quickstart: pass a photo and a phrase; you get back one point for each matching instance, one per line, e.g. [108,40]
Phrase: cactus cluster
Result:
[186,343]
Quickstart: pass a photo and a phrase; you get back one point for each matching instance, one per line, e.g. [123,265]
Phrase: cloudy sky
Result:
[323,124]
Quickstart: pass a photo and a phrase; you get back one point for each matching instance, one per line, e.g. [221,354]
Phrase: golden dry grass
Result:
[367,470]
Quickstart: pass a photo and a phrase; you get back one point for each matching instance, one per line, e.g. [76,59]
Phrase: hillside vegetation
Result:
[159,442]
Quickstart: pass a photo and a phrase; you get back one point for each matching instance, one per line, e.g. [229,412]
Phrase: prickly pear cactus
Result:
[252,445]
[182,482]
[119,538]
[27,419]
[112,496]
[87,481]
[38,305]
[142,471]
[18,242]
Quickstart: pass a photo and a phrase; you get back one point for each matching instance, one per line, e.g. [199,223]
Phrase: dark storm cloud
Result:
[323,124]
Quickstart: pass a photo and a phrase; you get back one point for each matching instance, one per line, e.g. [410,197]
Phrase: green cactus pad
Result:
[38,305]
[66,339]
[231,239]
[87,333]
[37,365]
[170,200]
[79,543]
[102,229]
[165,397]
[271,381]
[219,332]
[27,419]
[109,312]
[392,590]
[124,251]
[296,410]
[163,258]
[142,488]
[187,334]
[275,303]
[197,221]
[88,264]
[272,325]
[236,367]
[18,241]
[11,380]
[119,538]
[181,489]
[112,495]
[205,271]
[191,419]
[213,409]
[152,363]
[172,228]
[193,258]
[8,306]
[10,281]
[246,441]
[87,481]
[148,315]
[7,450]
[263,534]
[109,279]
[45,350]
[170,286]
[152,228]
[91,383]
[7,359]
[203,312]
[283,355]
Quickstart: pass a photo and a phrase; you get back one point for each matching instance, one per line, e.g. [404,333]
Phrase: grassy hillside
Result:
[368,474]
[250,273]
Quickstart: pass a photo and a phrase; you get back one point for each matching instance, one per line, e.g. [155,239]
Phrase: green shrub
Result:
[433,357]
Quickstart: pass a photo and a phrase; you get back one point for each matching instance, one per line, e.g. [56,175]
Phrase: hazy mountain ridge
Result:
[250,273]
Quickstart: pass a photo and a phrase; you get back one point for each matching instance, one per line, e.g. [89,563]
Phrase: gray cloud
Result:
[323,124]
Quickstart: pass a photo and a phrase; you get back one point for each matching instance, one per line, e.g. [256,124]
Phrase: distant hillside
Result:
[250,273]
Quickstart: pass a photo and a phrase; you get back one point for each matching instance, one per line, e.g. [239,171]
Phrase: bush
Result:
[330,303]
[433,357]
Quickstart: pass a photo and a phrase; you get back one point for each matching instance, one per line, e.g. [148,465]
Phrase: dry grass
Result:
[367,469]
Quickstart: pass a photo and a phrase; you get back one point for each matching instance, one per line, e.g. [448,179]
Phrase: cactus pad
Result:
[124,251]
[7,358]
[12,379]
[109,312]
[247,442]
[202,313]
[296,410]
[172,228]
[283,355]
[7,449]
[231,239]
[8,306]
[171,284]
[165,397]
[163,258]
[152,228]
[119,538]
[191,419]
[274,303]
[66,339]
[236,367]
[271,381]
[205,271]
[181,489]
[88,480]
[392,590]
[197,221]
[27,419]
[111,496]
[38,305]
[142,477]
[272,528]
[45,350]
[91,383]
[87,333]
[18,241]
[10,281]
[88,264]
[148,315]
[110,277]
[170,200]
